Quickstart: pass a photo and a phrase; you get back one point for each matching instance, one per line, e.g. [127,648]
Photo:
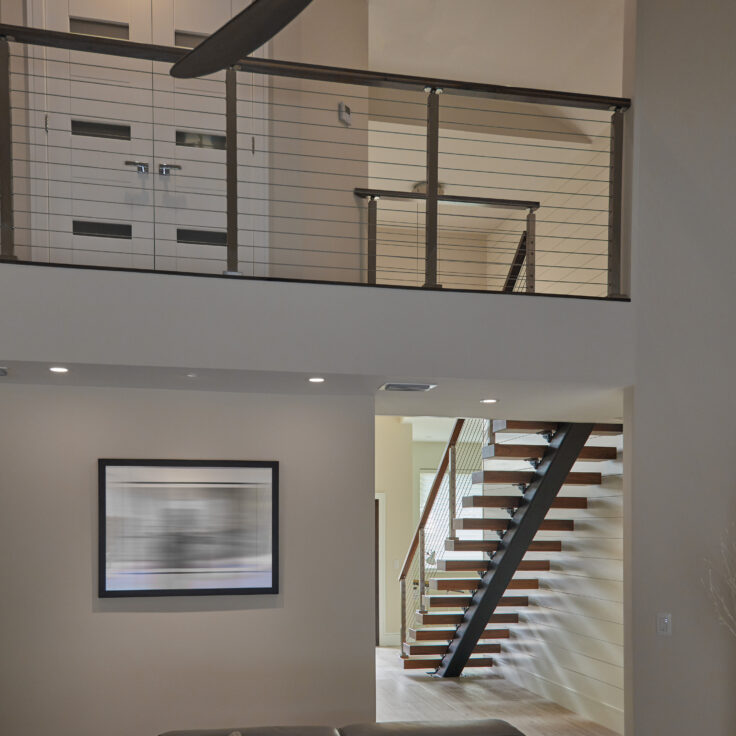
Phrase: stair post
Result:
[452,480]
[402,634]
[531,252]
[421,571]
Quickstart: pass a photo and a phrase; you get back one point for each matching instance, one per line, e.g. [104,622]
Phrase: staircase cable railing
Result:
[435,530]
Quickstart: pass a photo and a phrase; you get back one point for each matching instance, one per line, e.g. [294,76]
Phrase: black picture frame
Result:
[105,591]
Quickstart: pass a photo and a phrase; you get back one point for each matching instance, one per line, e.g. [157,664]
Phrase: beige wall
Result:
[570,646]
[315,226]
[394,487]
[684,403]
[75,665]
[425,456]
[572,45]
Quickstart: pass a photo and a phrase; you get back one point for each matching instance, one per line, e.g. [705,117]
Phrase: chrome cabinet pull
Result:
[140,166]
[165,169]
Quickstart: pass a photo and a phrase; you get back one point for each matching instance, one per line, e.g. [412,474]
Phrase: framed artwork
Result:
[188,527]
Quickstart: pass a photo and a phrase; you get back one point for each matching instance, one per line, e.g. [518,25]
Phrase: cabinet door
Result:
[93,198]
[189,129]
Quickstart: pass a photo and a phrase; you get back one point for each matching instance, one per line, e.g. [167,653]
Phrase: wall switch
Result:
[664,624]
[344,114]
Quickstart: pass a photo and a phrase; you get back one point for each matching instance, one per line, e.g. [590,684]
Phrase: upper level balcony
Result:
[278,170]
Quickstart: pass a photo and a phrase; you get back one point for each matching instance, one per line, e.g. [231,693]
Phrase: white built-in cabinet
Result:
[126,165]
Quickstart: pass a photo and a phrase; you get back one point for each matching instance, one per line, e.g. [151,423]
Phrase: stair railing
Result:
[452,481]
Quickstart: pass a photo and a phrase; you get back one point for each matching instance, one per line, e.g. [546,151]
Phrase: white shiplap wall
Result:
[569,644]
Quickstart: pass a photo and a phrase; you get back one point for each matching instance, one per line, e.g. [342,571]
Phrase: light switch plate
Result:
[344,114]
[664,624]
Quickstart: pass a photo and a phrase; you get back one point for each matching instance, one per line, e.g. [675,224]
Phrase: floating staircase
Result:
[463,600]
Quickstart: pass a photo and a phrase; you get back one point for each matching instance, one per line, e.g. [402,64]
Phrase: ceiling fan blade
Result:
[239,37]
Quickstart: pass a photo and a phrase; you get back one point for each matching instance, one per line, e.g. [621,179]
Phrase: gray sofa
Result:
[490,727]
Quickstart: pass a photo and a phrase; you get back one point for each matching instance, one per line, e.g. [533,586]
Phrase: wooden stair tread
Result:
[515,584]
[461,601]
[472,584]
[503,451]
[525,477]
[449,634]
[433,664]
[508,502]
[480,545]
[412,648]
[532,427]
[434,619]
[434,602]
[499,525]
[482,565]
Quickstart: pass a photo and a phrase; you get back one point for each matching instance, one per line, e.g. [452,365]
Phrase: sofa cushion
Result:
[488,727]
[260,731]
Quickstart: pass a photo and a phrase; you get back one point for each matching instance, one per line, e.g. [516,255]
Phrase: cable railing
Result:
[278,170]
[430,543]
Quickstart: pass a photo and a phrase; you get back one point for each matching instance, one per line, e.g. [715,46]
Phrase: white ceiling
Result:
[451,398]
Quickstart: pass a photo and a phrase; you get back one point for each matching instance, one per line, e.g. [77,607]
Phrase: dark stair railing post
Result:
[550,475]
[231,165]
[530,247]
[372,237]
[7,224]
[615,196]
[422,571]
[451,492]
[402,635]
[430,230]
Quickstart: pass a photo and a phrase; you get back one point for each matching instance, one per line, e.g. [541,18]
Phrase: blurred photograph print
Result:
[181,527]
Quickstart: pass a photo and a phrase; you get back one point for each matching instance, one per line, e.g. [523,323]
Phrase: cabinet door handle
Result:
[166,169]
[141,166]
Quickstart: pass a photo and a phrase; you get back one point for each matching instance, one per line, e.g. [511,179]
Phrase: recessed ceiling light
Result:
[489,401]
[58,369]
[191,375]
[316,379]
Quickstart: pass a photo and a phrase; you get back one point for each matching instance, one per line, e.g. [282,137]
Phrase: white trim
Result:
[391,639]
[383,636]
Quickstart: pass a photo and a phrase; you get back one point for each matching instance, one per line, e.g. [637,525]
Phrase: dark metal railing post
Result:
[615,196]
[231,165]
[531,252]
[452,492]
[422,571]
[402,634]
[430,230]
[7,223]
[372,238]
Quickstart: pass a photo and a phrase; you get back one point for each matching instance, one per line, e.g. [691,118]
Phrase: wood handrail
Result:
[433,491]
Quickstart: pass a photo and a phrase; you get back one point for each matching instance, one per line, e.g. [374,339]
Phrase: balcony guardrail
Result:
[275,170]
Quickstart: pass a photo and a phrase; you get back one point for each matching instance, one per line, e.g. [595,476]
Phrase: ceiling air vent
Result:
[408,386]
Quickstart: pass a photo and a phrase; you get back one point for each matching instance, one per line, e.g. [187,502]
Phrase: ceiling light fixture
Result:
[489,401]
[316,379]
[191,375]
[58,369]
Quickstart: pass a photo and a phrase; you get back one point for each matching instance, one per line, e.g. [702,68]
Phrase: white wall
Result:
[157,320]
[393,458]
[570,646]
[75,665]
[684,401]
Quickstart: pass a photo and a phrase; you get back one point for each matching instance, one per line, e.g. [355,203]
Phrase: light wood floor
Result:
[416,696]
